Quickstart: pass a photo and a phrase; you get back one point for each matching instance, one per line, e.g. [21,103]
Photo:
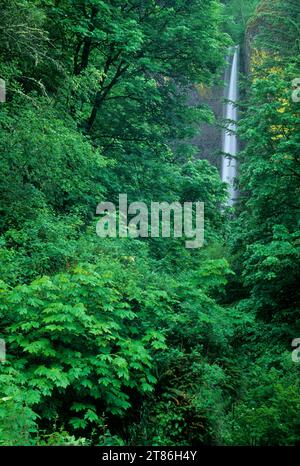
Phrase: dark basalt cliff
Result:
[209,139]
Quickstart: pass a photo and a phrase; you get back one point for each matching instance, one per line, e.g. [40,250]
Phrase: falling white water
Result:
[229,164]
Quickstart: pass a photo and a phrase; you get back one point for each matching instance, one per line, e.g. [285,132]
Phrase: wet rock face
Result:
[209,139]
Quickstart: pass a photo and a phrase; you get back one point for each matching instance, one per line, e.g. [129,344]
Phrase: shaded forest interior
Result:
[121,341]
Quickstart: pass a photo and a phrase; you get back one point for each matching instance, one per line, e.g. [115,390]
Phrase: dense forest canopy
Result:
[120,341]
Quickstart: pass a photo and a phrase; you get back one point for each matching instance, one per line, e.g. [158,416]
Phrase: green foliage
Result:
[76,333]
[143,342]
[267,239]
[265,236]
[237,15]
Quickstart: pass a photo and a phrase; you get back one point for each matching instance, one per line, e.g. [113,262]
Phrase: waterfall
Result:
[229,164]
